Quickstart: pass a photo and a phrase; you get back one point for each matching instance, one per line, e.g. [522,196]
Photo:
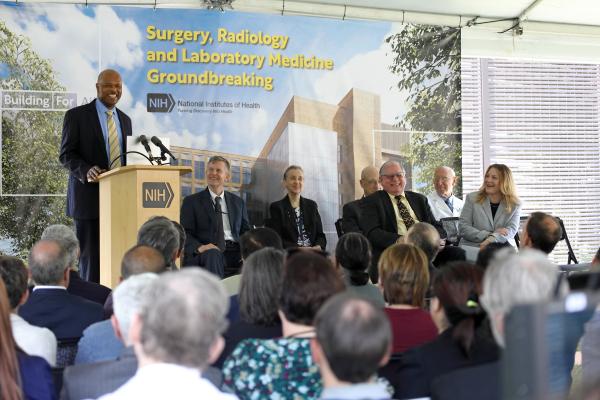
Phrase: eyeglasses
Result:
[392,176]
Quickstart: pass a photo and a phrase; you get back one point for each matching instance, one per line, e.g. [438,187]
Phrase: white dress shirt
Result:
[225,215]
[34,340]
[440,209]
[167,381]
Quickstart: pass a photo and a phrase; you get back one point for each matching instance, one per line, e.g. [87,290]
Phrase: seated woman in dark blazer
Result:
[466,339]
[295,218]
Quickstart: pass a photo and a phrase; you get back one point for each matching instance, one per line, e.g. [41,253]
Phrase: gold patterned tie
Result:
[404,213]
[113,141]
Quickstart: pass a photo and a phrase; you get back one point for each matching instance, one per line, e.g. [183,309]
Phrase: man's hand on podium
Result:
[93,173]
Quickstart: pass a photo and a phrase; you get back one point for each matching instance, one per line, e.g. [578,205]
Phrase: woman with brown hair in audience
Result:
[21,376]
[283,368]
[404,279]
[465,339]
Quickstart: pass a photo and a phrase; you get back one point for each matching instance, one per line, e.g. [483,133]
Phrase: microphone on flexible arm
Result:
[161,146]
[144,141]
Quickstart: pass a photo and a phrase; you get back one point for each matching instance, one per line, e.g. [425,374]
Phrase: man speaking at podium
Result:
[93,135]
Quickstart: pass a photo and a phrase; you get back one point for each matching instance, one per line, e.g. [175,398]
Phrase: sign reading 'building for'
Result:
[156,195]
[37,100]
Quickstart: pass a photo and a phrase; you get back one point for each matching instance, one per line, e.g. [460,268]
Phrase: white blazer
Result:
[476,222]
[440,209]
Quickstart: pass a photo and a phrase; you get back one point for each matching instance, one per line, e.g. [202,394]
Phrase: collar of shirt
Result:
[374,390]
[48,287]
[213,195]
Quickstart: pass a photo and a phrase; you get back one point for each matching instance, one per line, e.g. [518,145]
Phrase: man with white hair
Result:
[528,277]
[443,202]
[94,380]
[79,287]
[176,334]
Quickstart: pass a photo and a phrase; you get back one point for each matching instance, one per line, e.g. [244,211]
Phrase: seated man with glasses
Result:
[389,213]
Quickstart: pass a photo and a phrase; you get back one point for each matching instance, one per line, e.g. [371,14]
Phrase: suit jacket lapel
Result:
[207,203]
[388,208]
[230,211]
[487,209]
[500,214]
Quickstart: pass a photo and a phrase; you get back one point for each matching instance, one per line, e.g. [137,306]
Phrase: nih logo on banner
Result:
[159,102]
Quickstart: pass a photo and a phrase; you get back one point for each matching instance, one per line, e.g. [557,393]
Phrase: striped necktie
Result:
[113,141]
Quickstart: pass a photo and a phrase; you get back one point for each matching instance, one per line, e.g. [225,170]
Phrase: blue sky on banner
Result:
[80,41]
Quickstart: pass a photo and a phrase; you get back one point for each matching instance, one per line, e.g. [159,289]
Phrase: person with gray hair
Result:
[512,279]
[50,305]
[159,232]
[90,381]
[79,287]
[99,342]
[176,334]
[442,200]
[354,339]
[425,237]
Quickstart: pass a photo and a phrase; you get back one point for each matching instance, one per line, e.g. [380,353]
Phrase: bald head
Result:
[369,180]
[444,180]
[140,259]
[48,261]
[109,87]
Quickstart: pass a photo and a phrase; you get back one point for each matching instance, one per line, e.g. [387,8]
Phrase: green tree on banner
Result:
[30,146]
[427,60]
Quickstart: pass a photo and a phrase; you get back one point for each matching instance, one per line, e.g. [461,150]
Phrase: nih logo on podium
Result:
[159,102]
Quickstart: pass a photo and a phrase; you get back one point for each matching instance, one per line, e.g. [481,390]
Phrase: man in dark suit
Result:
[93,136]
[50,305]
[389,213]
[351,211]
[213,221]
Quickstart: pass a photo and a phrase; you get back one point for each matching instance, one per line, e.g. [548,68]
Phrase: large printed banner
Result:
[264,91]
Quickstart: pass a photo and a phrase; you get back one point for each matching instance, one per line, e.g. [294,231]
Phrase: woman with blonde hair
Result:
[404,280]
[492,213]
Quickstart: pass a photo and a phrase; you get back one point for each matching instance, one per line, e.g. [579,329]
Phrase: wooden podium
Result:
[128,197]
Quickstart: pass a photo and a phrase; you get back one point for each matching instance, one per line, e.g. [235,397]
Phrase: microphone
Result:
[161,146]
[144,141]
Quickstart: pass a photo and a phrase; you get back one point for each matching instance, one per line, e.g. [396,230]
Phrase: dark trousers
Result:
[221,263]
[88,233]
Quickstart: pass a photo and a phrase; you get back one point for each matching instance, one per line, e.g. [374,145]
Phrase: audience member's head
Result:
[369,180]
[10,388]
[353,254]
[528,277]
[67,239]
[14,274]
[449,254]
[258,238]
[425,237]
[455,305]
[181,320]
[127,299]
[353,339]
[141,258]
[260,285]
[160,233]
[49,263]
[309,279]
[182,237]
[489,253]
[542,231]
[404,275]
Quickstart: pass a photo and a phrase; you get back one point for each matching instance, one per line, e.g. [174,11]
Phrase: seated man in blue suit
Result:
[50,305]
[213,221]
